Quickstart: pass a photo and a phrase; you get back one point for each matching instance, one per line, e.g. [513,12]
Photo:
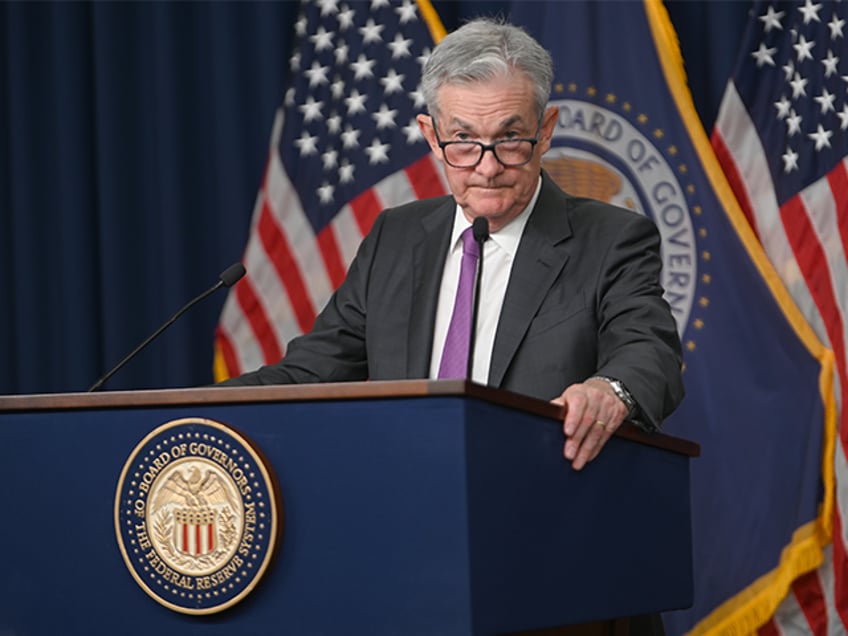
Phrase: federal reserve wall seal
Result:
[604,148]
[196,516]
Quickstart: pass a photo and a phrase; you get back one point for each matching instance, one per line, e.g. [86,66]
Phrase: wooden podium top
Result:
[317,392]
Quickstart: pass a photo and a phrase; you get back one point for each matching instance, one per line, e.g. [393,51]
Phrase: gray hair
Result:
[482,50]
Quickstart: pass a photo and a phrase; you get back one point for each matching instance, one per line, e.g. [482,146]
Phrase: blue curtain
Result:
[133,138]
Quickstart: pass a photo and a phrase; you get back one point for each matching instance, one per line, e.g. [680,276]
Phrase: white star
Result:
[392,82]
[385,117]
[294,61]
[771,20]
[825,100]
[810,11]
[406,12]
[821,137]
[371,32]
[413,132]
[325,193]
[334,124]
[843,117]
[803,48]
[417,97]
[799,86]
[400,46]
[307,144]
[289,98]
[346,172]
[793,124]
[300,25]
[830,63]
[763,55]
[337,88]
[790,161]
[782,107]
[377,152]
[350,137]
[330,159]
[835,25]
[345,19]
[317,74]
[788,70]
[425,55]
[378,4]
[322,39]
[328,6]
[310,109]
[362,67]
[341,53]
[355,103]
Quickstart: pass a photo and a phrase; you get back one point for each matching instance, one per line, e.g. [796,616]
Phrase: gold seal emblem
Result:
[196,516]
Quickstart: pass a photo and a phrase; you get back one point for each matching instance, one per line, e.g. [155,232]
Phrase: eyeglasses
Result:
[467,154]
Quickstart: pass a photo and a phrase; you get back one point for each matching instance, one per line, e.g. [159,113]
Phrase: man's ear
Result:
[549,120]
[425,123]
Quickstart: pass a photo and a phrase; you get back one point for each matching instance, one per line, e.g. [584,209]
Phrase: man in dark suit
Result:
[571,308]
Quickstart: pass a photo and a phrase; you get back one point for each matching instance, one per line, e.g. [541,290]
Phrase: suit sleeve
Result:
[638,342]
[334,350]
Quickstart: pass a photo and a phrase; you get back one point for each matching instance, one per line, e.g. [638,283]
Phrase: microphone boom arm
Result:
[227,279]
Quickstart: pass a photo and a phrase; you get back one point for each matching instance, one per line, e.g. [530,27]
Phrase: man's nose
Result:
[489,163]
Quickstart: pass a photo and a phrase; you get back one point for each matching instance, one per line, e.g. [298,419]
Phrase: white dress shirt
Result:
[498,255]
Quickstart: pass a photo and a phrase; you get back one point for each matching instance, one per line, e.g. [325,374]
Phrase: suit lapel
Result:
[428,256]
[542,254]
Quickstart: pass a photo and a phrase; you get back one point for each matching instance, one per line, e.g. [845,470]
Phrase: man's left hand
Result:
[593,413]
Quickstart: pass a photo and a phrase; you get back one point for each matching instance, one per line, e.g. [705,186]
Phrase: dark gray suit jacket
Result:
[583,298]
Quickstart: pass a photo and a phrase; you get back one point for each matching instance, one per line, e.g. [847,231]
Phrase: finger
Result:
[582,432]
[591,444]
[577,407]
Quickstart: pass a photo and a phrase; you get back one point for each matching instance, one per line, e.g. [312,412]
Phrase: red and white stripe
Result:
[196,539]
[291,271]
[806,241]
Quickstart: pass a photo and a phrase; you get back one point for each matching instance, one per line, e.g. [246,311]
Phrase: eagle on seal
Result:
[198,491]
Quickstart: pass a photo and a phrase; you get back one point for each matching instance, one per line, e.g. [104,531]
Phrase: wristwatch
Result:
[623,394]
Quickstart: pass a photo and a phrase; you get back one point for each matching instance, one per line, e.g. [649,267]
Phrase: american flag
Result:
[782,140]
[344,146]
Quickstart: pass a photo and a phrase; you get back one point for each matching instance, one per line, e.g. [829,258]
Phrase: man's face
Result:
[489,112]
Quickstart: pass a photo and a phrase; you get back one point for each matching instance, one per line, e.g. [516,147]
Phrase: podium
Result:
[410,507]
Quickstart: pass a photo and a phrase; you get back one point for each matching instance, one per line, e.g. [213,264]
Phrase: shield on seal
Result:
[195,531]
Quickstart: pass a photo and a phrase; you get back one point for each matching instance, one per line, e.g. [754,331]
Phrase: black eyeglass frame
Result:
[484,147]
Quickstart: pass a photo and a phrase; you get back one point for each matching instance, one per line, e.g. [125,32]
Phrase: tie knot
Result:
[470,247]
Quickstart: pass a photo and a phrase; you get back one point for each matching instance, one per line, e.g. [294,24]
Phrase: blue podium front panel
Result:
[375,538]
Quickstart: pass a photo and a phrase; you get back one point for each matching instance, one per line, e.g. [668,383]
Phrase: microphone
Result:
[480,230]
[228,278]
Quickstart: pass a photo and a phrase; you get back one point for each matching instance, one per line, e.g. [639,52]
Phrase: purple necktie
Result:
[454,362]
